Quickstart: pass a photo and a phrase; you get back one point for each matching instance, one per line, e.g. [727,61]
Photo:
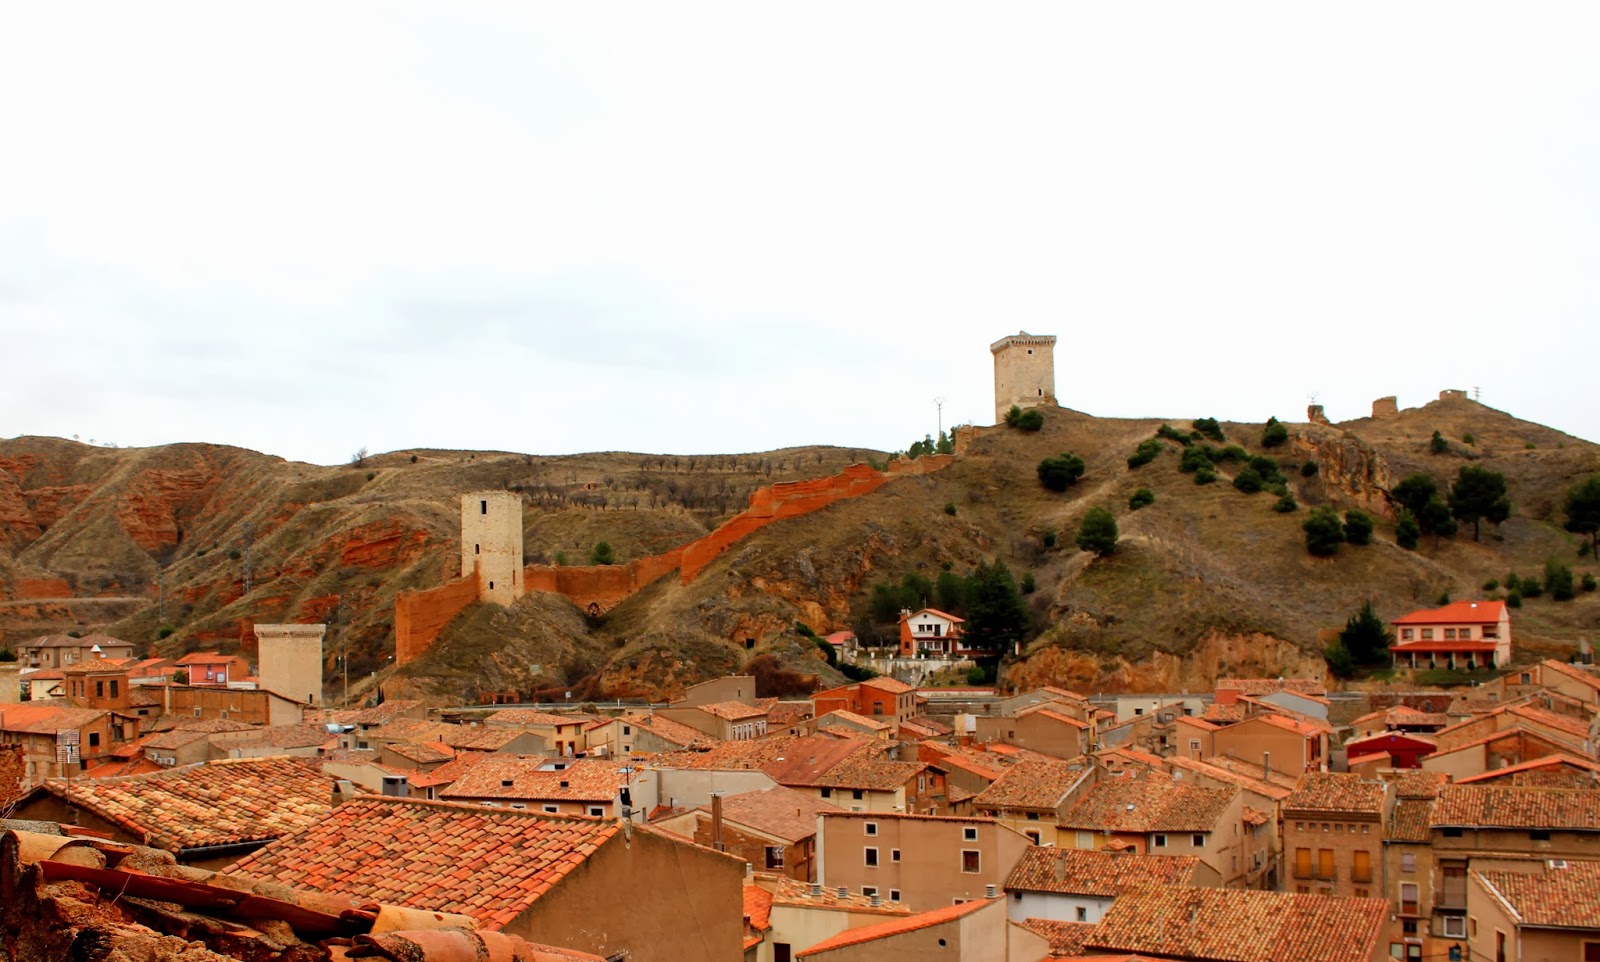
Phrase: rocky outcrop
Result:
[1352,470]
[1217,655]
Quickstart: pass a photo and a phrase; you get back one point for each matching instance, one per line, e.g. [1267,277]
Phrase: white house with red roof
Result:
[1464,634]
[929,632]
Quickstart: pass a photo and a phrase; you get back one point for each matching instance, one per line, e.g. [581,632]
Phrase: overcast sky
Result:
[687,227]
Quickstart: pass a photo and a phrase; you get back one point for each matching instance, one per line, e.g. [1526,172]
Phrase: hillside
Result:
[1207,580]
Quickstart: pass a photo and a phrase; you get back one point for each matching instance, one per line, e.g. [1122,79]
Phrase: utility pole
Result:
[938,403]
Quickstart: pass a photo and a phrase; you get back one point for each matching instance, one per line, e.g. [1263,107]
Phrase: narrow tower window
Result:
[483,507]
[475,549]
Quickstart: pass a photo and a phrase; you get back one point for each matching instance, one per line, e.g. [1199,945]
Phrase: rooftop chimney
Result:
[1266,766]
[844,893]
[876,900]
[716,821]
[816,888]
[989,891]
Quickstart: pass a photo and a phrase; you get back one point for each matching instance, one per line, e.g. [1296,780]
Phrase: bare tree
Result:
[359,459]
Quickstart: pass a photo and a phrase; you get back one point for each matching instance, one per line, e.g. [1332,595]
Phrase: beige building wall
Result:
[1024,372]
[1343,835]
[739,688]
[932,870]
[491,543]
[290,659]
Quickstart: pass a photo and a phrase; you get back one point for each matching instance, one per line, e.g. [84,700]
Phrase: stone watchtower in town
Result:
[491,544]
[1024,372]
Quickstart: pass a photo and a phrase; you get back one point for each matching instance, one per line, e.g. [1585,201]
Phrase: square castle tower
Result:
[491,544]
[1024,372]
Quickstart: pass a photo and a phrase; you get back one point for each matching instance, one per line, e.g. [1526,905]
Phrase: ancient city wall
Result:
[419,616]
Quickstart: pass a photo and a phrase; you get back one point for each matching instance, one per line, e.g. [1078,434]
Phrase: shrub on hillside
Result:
[1491,585]
[602,554]
[1013,415]
[1558,578]
[1210,428]
[1514,599]
[1273,434]
[1140,498]
[1061,472]
[1031,420]
[1308,470]
[1583,512]
[1205,476]
[1531,587]
[1479,494]
[1588,583]
[1193,460]
[1357,527]
[1285,503]
[1324,532]
[1173,434]
[1029,586]
[1248,481]
[1146,452]
[1098,532]
[1439,445]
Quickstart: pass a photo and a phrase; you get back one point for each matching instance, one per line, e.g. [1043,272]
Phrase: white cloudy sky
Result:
[306,227]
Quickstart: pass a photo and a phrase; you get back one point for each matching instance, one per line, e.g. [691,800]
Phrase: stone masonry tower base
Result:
[1024,372]
[491,543]
[290,659]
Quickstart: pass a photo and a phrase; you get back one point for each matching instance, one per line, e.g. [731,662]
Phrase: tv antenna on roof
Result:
[938,403]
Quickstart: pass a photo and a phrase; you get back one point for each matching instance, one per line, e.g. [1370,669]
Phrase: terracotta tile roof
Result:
[46,719]
[213,726]
[1266,686]
[933,724]
[852,718]
[1558,760]
[1066,938]
[447,773]
[863,771]
[732,710]
[784,714]
[1574,672]
[174,739]
[531,717]
[940,614]
[1456,613]
[1561,723]
[1253,816]
[780,812]
[669,730]
[488,863]
[1505,806]
[1066,693]
[1224,714]
[1255,770]
[121,768]
[893,927]
[423,753]
[767,754]
[67,641]
[912,731]
[1097,874]
[1566,898]
[277,736]
[1245,781]
[1036,785]
[218,803]
[1153,804]
[1335,792]
[1410,821]
[788,891]
[758,907]
[1228,925]
[207,658]
[96,665]
[415,730]
[1049,710]
[1416,783]
[1199,723]
[585,780]
[978,763]
[884,683]
[477,738]
[1300,726]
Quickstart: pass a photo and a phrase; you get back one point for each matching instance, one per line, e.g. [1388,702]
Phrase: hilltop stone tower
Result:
[1024,372]
[289,661]
[491,544]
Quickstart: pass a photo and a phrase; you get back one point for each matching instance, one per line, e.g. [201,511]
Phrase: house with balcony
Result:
[1462,635]
[929,633]
[1333,834]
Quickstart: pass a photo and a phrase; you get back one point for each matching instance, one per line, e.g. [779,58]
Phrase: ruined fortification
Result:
[419,616]
[1024,372]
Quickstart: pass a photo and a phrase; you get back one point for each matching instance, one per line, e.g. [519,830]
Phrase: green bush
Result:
[1588,582]
[950,508]
[1193,460]
[165,631]
[1285,503]
[1205,476]
[1468,439]
[1357,527]
[602,554]
[1273,434]
[1324,532]
[1013,415]
[1308,470]
[1029,586]
[1439,445]
[1061,472]
[1173,434]
[1491,585]
[1210,428]
[1512,581]
[1531,587]
[1098,532]
[1444,599]
[1514,599]
[1146,452]
[1558,578]
[1140,498]
[1340,662]
[1049,539]
[975,676]
[1031,420]
[1248,481]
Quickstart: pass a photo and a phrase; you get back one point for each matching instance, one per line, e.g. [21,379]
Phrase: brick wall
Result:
[419,616]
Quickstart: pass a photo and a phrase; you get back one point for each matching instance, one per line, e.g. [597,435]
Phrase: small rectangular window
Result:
[1160,841]
[1539,835]
[551,809]
[894,855]
[872,828]
[1199,840]
[1083,914]
[483,507]
[872,858]
[894,895]
[1408,862]
[869,890]
[597,811]
[969,834]
[969,861]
